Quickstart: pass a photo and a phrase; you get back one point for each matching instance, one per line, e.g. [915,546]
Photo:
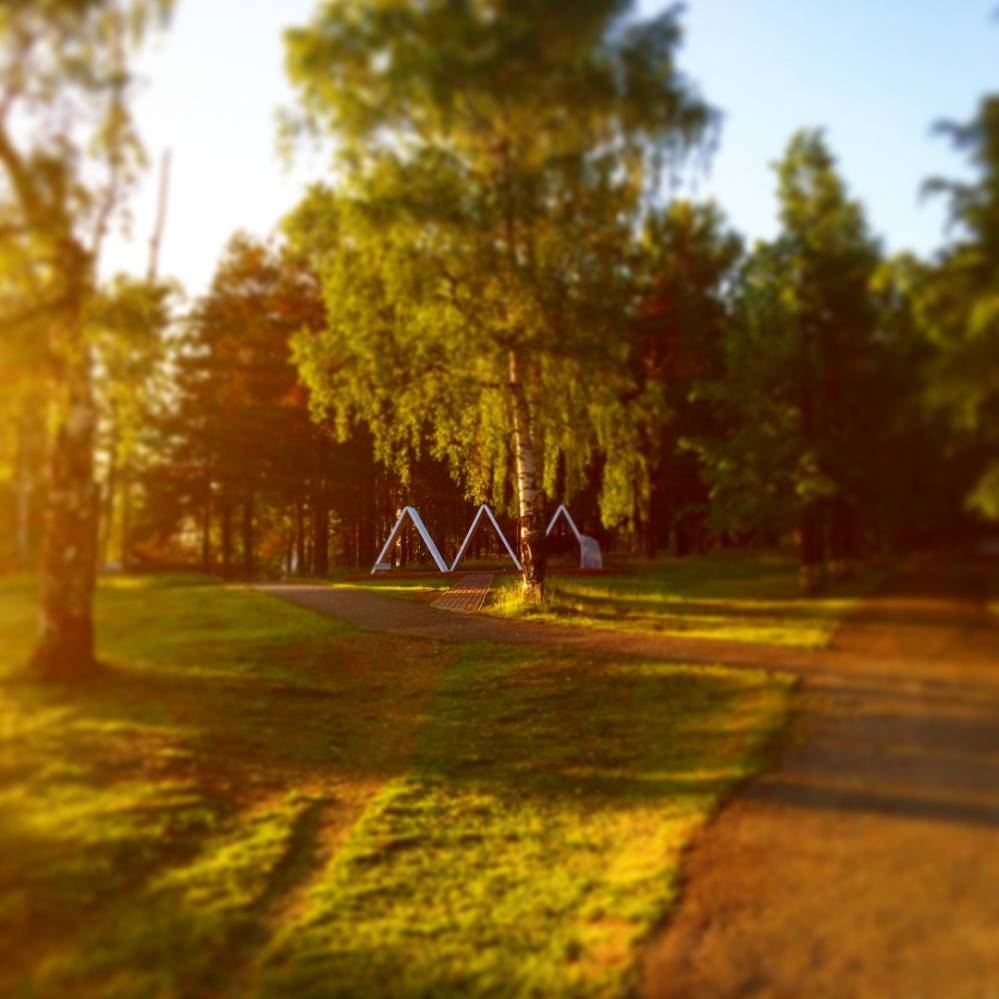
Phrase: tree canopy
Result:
[497,159]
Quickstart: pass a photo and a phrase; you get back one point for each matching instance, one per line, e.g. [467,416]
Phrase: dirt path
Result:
[377,612]
[867,864]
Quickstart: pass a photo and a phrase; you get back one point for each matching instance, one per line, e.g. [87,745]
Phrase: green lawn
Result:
[419,588]
[257,799]
[746,598]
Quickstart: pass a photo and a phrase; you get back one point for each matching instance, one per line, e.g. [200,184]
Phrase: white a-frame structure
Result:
[484,509]
[562,512]
[590,556]
[382,566]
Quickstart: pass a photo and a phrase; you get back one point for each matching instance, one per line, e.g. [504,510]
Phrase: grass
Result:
[537,838]
[739,597]
[417,588]
[258,800]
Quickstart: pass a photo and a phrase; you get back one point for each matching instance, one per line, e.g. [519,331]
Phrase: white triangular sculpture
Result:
[382,566]
[589,548]
[484,509]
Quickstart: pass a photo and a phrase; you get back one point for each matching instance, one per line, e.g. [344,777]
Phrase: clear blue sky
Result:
[874,73]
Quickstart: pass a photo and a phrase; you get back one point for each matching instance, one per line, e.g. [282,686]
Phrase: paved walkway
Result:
[867,862]
[467,594]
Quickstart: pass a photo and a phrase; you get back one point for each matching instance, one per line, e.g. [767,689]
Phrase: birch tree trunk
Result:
[533,549]
[65,648]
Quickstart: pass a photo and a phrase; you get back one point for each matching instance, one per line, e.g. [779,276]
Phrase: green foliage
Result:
[496,161]
[801,359]
[687,257]
[68,146]
[235,423]
[960,307]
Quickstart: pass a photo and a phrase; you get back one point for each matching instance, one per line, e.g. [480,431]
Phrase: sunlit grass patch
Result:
[746,598]
[418,588]
[537,840]
[186,825]
[146,817]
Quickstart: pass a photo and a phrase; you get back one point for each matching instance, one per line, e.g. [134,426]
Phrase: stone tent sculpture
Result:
[590,556]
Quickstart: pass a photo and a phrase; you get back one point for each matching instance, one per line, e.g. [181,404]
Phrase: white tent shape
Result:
[568,517]
[589,548]
[381,566]
[484,509]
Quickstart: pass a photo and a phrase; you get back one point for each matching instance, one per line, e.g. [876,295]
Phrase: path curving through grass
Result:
[259,800]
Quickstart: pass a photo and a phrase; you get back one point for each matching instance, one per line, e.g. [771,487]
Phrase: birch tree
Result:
[494,161]
[68,152]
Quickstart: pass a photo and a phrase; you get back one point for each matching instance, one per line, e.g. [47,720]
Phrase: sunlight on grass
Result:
[753,598]
[538,838]
[422,589]
[258,799]
[143,817]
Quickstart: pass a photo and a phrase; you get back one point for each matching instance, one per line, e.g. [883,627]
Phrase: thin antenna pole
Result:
[161,209]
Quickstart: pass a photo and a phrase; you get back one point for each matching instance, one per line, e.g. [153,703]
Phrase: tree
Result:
[497,159]
[237,434]
[959,306]
[68,151]
[801,369]
[126,322]
[689,257]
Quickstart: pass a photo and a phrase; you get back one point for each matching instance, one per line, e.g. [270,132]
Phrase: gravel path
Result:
[867,862]
[375,611]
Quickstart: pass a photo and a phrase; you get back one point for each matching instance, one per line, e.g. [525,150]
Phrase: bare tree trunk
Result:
[65,648]
[533,549]
[206,530]
[27,477]
[320,533]
[226,532]
[249,561]
[110,490]
[812,549]
[299,537]
[126,517]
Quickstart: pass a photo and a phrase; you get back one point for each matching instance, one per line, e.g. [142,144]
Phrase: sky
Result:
[874,74]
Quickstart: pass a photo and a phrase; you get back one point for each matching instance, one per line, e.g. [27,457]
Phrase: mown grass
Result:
[258,800]
[733,596]
[422,589]
[146,818]
[537,839]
